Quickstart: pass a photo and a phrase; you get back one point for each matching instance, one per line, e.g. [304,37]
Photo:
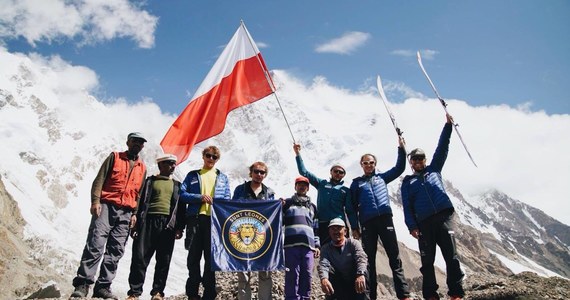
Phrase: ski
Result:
[444,104]
[385,101]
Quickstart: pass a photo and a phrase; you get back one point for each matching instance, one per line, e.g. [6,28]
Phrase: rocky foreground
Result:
[523,286]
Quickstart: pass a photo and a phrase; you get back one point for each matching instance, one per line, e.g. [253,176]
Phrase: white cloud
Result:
[517,150]
[402,52]
[427,54]
[89,21]
[262,45]
[346,44]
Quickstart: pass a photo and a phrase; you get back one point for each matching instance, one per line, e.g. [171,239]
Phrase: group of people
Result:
[341,230]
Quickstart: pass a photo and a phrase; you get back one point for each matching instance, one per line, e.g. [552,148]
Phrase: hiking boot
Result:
[157,296]
[104,293]
[132,297]
[80,291]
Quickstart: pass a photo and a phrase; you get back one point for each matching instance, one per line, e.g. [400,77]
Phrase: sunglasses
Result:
[366,163]
[418,157]
[338,172]
[259,172]
[211,156]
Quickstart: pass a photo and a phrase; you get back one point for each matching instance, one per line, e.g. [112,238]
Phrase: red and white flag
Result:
[239,77]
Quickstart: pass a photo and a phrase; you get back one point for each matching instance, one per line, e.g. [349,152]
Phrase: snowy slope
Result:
[58,135]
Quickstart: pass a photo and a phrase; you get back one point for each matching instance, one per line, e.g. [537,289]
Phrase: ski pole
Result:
[385,101]
[444,104]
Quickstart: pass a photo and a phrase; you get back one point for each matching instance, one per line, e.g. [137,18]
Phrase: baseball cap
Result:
[417,152]
[136,135]
[302,179]
[167,157]
[336,222]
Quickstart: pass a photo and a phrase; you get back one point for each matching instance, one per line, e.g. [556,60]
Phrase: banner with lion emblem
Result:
[247,236]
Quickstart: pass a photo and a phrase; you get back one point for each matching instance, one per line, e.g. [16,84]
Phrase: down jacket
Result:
[370,193]
[190,191]
[423,193]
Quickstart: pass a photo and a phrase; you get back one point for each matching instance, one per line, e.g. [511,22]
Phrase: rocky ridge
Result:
[523,286]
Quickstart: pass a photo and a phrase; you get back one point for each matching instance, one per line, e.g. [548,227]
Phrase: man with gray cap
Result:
[343,265]
[428,213]
[160,220]
[114,197]
[333,198]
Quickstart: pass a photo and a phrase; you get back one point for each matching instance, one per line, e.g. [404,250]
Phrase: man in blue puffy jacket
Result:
[333,198]
[198,191]
[370,195]
[428,213]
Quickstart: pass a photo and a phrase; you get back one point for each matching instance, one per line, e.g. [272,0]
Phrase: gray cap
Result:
[336,222]
[417,152]
[136,135]
[167,157]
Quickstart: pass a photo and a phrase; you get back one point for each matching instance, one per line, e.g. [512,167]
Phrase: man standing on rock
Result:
[255,190]
[428,212]
[198,191]
[114,197]
[370,193]
[160,221]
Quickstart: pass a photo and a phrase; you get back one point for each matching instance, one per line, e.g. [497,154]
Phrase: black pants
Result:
[344,287]
[383,227]
[198,234]
[152,237]
[436,230]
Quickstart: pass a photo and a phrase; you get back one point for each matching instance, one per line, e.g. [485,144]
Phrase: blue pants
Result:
[299,261]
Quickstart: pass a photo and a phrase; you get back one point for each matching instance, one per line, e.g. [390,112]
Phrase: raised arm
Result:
[313,179]
[398,169]
[440,155]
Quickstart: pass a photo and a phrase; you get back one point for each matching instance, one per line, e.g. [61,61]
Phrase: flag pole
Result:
[269,81]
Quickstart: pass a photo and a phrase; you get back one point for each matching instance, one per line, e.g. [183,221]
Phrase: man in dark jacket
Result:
[160,220]
[114,197]
[428,212]
[255,190]
[342,267]
[198,191]
[370,194]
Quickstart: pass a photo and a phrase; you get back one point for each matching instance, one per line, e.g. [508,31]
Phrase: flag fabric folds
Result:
[239,77]
[247,236]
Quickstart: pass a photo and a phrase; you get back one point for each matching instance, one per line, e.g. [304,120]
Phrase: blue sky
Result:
[483,52]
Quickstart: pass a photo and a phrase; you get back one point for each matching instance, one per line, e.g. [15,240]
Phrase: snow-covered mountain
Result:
[55,135]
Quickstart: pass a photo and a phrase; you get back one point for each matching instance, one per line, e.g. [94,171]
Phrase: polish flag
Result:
[239,77]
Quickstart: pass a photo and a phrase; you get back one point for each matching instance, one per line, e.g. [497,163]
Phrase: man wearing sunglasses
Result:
[198,191]
[255,190]
[371,197]
[333,198]
[428,213]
